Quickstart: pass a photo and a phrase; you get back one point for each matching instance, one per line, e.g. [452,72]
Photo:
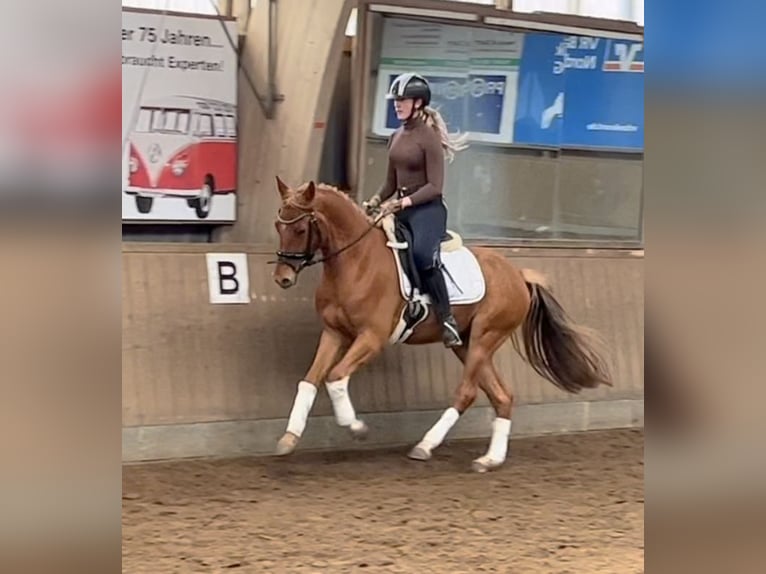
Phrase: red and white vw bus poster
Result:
[179,117]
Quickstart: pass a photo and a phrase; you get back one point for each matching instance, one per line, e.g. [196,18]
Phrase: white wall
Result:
[632,10]
[196,6]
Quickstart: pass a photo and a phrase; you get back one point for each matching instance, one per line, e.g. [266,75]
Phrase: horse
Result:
[360,304]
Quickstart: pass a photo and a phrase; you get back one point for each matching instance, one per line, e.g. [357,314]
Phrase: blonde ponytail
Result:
[450,144]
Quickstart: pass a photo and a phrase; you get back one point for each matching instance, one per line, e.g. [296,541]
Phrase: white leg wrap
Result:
[436,433]
[304,400]
[341,404]
[498,446]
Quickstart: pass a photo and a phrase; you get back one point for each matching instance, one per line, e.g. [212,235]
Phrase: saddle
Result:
[465,280]
[400,238]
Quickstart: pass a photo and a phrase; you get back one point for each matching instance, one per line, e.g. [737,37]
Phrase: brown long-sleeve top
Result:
[415,162]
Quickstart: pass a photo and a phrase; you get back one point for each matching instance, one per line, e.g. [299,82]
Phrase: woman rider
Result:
[416,153]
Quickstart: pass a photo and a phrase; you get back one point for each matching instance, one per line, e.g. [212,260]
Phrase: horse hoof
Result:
[358,430]
[485,464]
[286,444]
[419,453]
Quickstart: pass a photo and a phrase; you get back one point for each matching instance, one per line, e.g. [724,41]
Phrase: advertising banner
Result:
[491,92]
[472,73]
[540,101]
[604,104]
[531,89]
[580,92]
[179,117]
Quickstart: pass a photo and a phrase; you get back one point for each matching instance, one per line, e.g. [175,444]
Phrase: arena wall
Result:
[203,380]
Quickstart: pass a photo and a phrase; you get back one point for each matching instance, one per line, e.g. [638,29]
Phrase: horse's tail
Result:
[557,349]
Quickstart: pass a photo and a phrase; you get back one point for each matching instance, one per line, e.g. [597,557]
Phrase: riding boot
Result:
[437,288]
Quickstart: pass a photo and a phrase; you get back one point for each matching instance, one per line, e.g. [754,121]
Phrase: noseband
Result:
[297,260]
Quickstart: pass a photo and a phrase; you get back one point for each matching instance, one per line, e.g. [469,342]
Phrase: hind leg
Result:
[464,397]
[502,401]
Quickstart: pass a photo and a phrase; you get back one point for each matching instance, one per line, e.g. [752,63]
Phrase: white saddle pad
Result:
[461,266]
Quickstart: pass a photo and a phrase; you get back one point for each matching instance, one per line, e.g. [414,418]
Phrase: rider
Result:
[416,153]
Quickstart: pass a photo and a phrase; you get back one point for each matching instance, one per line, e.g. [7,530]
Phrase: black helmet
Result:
[410,86]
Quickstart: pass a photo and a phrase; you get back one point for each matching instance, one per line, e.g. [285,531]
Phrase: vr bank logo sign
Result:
[624,57]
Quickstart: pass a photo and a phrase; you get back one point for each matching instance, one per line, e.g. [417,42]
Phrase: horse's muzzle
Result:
[285,282]
[285,275]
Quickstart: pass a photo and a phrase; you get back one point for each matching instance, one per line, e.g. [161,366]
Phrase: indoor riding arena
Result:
[222,97]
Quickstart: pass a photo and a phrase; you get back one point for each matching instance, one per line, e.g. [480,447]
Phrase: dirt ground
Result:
[562,504]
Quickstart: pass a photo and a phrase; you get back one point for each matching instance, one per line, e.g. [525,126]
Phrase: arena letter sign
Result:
[228,278]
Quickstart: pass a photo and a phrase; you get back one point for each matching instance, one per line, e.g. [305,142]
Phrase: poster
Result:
[580,92]
[604,104]
[179,117]
[472,73]
[537,89]
[494,70]
[539,117]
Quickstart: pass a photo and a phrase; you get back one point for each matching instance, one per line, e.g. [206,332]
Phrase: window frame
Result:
[362,112]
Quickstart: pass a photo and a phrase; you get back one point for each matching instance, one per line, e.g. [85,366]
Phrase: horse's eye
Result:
[300,231]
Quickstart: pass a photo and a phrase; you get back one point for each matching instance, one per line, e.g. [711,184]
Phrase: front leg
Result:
[362,350]
[330,345]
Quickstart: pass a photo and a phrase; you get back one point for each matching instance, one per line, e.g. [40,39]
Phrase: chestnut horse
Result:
[359,303]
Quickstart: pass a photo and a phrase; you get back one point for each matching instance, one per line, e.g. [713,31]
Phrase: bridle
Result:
[297,260]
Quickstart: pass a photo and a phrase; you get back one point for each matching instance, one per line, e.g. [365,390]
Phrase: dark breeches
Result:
[428,225]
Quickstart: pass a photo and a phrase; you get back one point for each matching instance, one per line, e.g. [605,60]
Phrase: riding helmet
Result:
[410,86]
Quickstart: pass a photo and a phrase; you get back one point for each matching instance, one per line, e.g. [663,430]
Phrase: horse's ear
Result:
[309,193]
[284,190]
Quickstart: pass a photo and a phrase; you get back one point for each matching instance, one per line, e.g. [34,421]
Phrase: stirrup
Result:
[451,342]
[450,334]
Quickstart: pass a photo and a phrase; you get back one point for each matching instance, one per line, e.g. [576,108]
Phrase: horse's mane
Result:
[325,189]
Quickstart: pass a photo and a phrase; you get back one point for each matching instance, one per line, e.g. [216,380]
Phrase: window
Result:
[205,125]
[220,129]
[231,126]
[176,121]
[554,123]
[145,120]
[162,120]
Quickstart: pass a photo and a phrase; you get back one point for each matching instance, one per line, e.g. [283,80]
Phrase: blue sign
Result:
[580,92]
[604,95]
[471,103]
[540,96]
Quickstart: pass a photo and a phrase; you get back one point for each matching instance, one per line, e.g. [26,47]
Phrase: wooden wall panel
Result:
[185,360]
[310,43]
